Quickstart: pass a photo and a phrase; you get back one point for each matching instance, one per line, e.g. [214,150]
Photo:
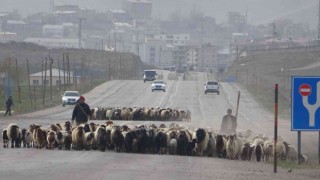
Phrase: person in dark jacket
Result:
[81,112]
[229,124]
[9,103]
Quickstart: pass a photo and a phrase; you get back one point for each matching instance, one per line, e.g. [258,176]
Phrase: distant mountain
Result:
[258,11]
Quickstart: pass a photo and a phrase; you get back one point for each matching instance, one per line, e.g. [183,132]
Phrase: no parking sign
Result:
[305,113]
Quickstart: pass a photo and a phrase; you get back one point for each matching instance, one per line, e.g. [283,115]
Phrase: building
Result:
[237,22]
[55,42]
[8,36]
[207,57]
[139,9]
[192,55]
[58,77]
[52,31]
[14,26]
[173,39]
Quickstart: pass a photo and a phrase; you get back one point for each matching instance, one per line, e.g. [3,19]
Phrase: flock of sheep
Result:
[140,114]
[173,140]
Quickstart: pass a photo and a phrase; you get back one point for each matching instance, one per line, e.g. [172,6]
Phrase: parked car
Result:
[211,87]
[158,85]
[70,97]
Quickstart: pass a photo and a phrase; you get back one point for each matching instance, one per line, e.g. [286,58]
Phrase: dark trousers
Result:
[8,111]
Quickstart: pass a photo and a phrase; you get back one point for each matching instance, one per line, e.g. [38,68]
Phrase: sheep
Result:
[39,136]
[67,141]
[55,127]
[151,140]
[280,150]
[211,147]
[13,135]
[221,142]
[51,139]
[126,114]
[258,150]
[88,140]
[182,143]
[245,152]
[202,139]
[26,138]
[101,138]
[5,138]
[291,152]
[128,141]
[67,126]
[117,138]
[86,128]
[78,138]
[232,147]
[267,149]
[173,146]
[142,140]
[161,142]
[93,126]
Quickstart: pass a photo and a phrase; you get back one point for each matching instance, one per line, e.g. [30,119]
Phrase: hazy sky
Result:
[259,11]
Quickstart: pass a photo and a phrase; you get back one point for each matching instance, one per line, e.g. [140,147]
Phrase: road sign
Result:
[305,103]
[305,89]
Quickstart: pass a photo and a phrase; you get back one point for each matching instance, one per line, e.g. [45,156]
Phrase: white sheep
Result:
[78,137]
[280,150]
[173,146]
[233,147]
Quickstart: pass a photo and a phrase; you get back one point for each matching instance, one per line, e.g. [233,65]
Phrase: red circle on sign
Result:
[305,90]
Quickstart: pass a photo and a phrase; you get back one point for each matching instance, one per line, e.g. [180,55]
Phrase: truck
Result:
[149,75]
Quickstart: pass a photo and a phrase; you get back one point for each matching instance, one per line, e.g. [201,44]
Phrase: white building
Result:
[52,31]
[58,77]
[173,39]
[55,42]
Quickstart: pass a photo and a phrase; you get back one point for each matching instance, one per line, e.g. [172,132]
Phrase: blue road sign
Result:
[305,103]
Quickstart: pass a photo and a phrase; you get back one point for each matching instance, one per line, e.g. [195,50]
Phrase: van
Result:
[149,75]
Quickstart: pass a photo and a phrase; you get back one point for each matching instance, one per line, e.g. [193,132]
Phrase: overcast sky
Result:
[259,11]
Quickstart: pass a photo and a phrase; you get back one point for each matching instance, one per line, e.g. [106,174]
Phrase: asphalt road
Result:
[206,110]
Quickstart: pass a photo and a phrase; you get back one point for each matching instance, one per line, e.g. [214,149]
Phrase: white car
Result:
[70,97]
[211,87]
[158,85]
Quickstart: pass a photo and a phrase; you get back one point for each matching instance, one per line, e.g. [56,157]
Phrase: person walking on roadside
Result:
[229,124]
[9,103]
[81,112]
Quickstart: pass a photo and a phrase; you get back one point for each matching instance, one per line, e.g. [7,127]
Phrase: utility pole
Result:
[319,25]
[51,6]
[201,48]
[115,38]
[80,28]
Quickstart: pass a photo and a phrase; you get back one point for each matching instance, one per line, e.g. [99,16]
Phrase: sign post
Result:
[275,127]
[305,105]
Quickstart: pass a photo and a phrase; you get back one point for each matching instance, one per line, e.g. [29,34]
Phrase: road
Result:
[206,110]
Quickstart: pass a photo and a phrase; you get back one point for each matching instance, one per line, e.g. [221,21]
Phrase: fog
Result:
[258,11]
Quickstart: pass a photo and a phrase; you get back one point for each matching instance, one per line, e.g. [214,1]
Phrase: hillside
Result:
[259,73]
[94,67]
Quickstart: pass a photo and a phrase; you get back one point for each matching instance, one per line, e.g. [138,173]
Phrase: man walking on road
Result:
[9,103]
[229,124]
[81,112]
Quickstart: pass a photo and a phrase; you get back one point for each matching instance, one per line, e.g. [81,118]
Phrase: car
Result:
[158,85]
[70,97]
[211,87]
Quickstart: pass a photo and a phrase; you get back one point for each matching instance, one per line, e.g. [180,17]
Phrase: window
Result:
[45,81]
[58,82]
[35,82]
